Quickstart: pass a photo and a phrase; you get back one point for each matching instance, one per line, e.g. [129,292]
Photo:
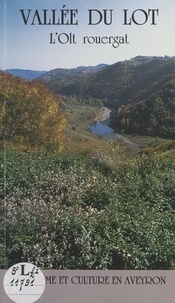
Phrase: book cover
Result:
[87,151]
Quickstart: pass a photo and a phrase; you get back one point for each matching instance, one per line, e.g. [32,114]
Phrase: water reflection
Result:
[102,129]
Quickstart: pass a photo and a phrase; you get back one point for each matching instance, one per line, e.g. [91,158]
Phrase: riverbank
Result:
[104,115]
[101,127]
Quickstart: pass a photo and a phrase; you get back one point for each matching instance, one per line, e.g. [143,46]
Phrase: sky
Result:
[45,47]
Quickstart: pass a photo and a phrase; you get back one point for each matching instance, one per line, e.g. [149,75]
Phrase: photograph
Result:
[87,151]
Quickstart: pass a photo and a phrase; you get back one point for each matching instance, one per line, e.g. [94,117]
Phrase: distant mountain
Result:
[141,89]
[59,74]
[26,74]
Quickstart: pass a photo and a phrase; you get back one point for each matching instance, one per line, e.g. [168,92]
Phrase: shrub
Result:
[67,211]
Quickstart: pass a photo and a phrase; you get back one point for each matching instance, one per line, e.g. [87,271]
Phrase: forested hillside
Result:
[154,115]
[141,89]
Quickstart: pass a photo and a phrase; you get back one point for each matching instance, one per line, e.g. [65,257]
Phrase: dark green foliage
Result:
[152,116]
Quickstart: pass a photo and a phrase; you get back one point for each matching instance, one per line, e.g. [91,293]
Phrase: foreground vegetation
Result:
[30,115]
[88,208]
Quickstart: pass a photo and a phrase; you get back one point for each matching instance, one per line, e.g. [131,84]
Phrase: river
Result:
[102,128]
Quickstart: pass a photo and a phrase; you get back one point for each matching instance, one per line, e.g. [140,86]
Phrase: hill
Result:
[59,74]
[141,89]
[25,73]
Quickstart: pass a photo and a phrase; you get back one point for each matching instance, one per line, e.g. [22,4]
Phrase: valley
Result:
[141,92]
[81,201]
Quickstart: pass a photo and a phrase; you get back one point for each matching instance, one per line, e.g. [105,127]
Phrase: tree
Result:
[30,117]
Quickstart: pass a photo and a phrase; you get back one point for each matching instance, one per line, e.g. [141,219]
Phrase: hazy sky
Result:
[28,46]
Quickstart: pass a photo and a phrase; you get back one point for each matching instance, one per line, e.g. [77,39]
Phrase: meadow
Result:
[89,207]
